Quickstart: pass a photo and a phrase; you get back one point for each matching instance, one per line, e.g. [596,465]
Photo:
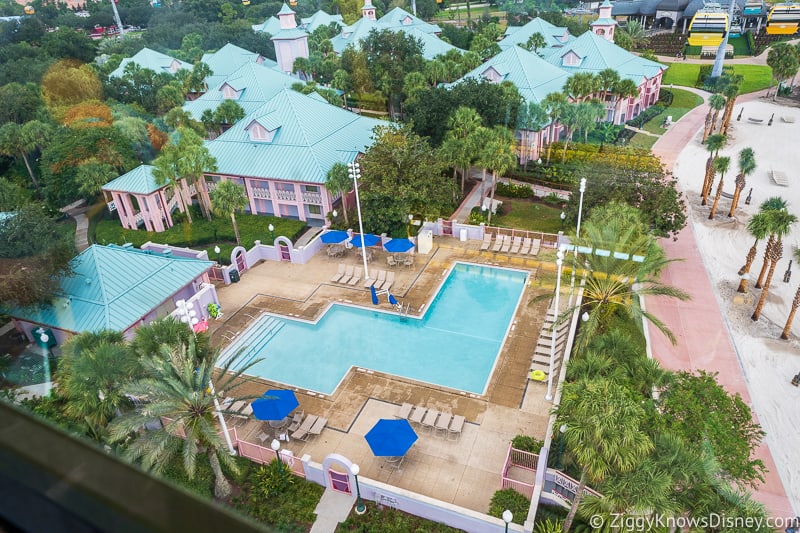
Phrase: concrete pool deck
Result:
[466,472]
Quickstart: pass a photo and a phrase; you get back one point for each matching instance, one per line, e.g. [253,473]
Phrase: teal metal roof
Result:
[114,287]
[289,33]
[140,180]
[597,53]
[285,10]
[228,59]
[257,83]
[604,22]
[320,18]
[398,19]
[432,45]
[518,35]
[310,136]
[533,77]
[272,26]
[353,34]
[150,59]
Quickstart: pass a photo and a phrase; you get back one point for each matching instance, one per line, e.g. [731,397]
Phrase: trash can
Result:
[463,235]
[234,275]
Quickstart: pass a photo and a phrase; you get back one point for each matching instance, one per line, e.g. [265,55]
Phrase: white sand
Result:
[768,362]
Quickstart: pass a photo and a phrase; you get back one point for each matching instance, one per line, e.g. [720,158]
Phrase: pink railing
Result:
[216,274]
[520,459]
[263,455]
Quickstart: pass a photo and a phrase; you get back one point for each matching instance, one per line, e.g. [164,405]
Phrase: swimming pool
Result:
[455,344]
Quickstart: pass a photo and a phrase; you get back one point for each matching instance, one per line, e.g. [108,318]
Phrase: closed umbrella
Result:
[334,237]
[391,437]
[364,240]
[399,245]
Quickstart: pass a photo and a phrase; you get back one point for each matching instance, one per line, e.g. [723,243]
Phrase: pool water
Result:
[454,345]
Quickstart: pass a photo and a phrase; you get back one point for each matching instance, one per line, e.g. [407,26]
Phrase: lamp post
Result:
[582,189]
[354,171]
[508,516]
[217,251]
[45,338]
[562,430]
[563,217]
[276,446]
[559,262]
[189,316]
[360,507]
[272,233]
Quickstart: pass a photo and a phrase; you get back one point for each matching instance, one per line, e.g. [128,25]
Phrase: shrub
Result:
[512,190]
[527,444]
[553,199]
[476,216]
[511,500]
[269,480]
[646,115]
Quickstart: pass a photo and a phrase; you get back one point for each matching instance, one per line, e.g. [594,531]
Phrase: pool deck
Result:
[465,472]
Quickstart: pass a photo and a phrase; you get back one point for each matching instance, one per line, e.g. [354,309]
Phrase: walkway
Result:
[81,228]
[332,509]
[704,341]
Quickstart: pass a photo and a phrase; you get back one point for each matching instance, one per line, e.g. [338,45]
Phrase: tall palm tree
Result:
[554,104]
[730,91]
[531,119]
[581,85]
[501,155]
[338,181]
[626,88]
[780,224]
[606,80]
[570,119]
[775,253]
[758,227]
[787,329]
[713,144]
[716,102]
[747,165]
[176,387]
[603,432]
[227,198]
[721,165]
[461,124]
[16,140]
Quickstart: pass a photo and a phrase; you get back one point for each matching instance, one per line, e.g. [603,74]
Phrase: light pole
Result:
[217,251]
[582,189]
[508,516]
[562,430]
[189,317]
[276,446]
[580,208]
[272,233]
[563,217]
[45,338]
[360,507]
[354,171]
[559,262]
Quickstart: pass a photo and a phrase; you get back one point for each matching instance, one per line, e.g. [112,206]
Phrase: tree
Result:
[175,386]
[607,79]
[69,82]
[227,198]
[570,120]
[390,55]
[730,90]
[588,115]
[338,181]
[721,165]
[19,102]
[34,257]
[555,104]
[227,114]
[91,175]
[500,156]
[532,118]
[784,63]
[713,144]
[747,165]
[780,223]
[638,35]
[581,85]
[458,140]
[535,42]
[604,432]
[758,227]
[715,102]
[787,329]
[69,44]
[16,140]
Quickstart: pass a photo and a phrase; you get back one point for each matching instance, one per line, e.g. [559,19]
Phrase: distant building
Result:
[152,60]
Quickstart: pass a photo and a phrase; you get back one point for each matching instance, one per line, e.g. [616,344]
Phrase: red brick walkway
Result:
[704,341]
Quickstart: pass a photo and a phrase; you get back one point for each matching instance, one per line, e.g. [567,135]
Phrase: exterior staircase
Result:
[541,354]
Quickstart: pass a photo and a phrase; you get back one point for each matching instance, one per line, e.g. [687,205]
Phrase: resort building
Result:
[118,288]
[152,60]
[228,60]
[668,14]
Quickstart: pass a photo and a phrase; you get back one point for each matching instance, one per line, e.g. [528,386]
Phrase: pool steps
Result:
[255,338]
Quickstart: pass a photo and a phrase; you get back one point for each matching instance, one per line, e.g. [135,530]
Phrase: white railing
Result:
[285,195]
[261,193]
[139,218]
[312,198]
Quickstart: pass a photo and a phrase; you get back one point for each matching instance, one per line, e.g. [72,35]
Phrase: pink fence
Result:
[263,455]
[216,274]
[520,459]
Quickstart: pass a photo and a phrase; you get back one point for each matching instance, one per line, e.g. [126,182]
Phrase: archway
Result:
[337,469]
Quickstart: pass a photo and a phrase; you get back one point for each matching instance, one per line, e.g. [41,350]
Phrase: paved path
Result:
[81,228]
[333,508]
[704,341]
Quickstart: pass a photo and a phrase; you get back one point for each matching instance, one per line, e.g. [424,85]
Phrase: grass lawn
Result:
[682,103]
[528,215]
[640,140]
[202,234]
[756,77]
[387,520]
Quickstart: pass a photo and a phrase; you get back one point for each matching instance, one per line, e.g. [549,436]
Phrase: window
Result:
[314,210]
[229,93]
[571,59]
[311,188]
[260,133]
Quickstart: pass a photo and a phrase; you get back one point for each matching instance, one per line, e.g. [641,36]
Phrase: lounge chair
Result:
[487,241]
[404,411]
[356,276]
[418,414]
[443,423]
[526,246]
[535,246]
[317,428]
[305,427]
[454,431]
[369,282]
[498,243]
[389,281]
[296,421]
[348,273]
[516,246]
[429,421]
[506,244]
[339,273]
[390,260]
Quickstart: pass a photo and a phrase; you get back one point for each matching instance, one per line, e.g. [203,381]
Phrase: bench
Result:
[727,195]
[755,120]
[779,178]
[788,120]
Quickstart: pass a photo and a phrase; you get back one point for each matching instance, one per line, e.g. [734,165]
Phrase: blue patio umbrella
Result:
[276,405]
[391,438]
[399,245]
[364,240]
[334,237]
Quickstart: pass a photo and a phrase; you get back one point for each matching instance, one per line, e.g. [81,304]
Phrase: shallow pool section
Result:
[454,345]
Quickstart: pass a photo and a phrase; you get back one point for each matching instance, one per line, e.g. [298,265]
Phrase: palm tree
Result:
[532,118]
[747,165]
[581,85]
[461,124]
[758,226]
[715,103]
[787,329]
[626,88]
[535,42]
[570,119]
[227,198]
[780,223]
[713,144]
[603,432]
[16,140]
[501,155]
[176,388]
[554,104]
[730,91]
[721,165]
[338,181]
[606,80]
[775,253]
[480,140]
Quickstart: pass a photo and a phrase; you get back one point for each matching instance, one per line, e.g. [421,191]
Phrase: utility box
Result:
[234,275]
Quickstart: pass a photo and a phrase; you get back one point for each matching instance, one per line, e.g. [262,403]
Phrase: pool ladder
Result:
[403,309]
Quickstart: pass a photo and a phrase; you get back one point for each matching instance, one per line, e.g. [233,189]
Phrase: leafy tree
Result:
[16,140]
[555,104]
[606,79]
[696,407]
[402,174]
[12,196]
[66,43]
[227,114]
[175,386]
[19,102]
[169,96]
[532,118]
[638,36]
[227,198]
[499,155]
[134,129]
[390,56]
[338,181]
[783,60]
[34,256]
[625,88]
[355,63]
[69,82]
[581,85]
[88,114]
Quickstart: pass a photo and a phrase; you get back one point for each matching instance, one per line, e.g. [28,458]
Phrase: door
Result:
[447,228]
[240,264]
[340,481]
[285,254]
